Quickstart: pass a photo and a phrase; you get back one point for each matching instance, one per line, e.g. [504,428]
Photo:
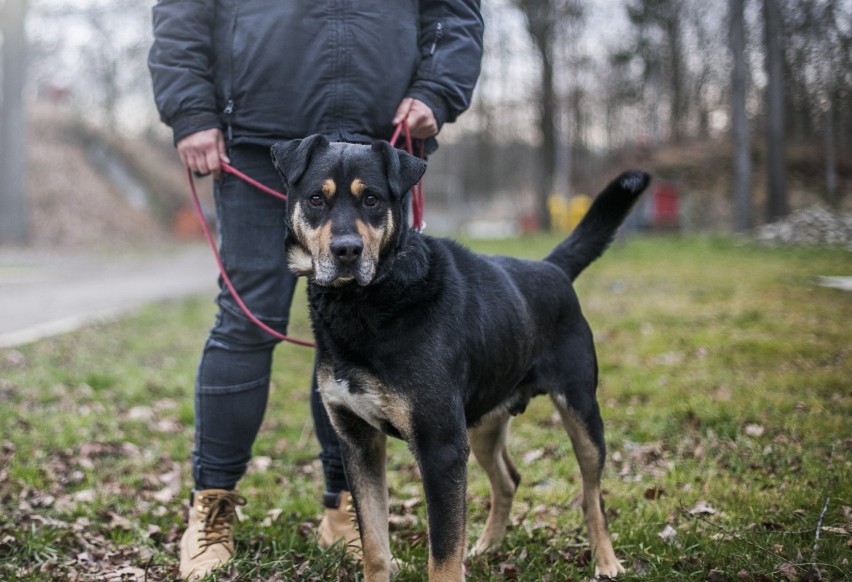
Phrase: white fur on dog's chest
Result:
[371,401]
[368,405]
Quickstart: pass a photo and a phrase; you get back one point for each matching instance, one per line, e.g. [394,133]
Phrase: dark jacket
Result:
[266,70]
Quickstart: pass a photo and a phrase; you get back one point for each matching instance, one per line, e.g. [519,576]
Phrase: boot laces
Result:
[218,513]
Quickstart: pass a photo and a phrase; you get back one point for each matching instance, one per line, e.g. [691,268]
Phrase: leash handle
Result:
[417,201]
[197,204]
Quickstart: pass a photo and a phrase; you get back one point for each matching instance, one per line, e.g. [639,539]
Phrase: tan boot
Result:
[208,541]
[339,523]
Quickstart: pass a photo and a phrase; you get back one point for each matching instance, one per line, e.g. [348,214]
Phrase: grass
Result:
[725,389]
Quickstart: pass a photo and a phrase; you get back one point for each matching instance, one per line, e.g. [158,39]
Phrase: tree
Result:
[777,205]
[14,211]
[544,19]
[110,69]
[659,42]
[743,219]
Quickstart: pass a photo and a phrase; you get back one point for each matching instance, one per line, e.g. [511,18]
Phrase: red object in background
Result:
[185,225]
[665,205]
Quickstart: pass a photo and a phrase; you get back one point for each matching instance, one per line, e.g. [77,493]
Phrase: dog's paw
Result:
[482,547]
[608,569]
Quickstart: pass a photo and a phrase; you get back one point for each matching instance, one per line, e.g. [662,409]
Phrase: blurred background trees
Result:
[14,211]
[734,105]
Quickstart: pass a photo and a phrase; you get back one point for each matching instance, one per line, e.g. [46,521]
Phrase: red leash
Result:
[417,203]
[232,170]
[416,209]
[219,262]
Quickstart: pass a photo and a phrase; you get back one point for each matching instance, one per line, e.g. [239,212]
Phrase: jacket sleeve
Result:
[180,62]
[451,49]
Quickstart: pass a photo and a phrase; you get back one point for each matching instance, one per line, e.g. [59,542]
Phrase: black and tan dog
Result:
[421,339]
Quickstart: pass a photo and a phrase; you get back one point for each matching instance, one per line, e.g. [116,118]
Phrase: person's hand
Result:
[203,151]
[421,120]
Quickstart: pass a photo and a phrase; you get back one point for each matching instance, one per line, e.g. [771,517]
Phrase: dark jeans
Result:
[233,377]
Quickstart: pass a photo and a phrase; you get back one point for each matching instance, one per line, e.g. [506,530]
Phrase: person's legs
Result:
[233,376]
[232,386]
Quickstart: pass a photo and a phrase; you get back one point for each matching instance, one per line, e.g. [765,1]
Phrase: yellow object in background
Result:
[565,215]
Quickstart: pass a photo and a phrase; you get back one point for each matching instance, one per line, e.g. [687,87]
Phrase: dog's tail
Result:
[598,227]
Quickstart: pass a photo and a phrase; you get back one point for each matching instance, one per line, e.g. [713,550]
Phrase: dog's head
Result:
[345,206]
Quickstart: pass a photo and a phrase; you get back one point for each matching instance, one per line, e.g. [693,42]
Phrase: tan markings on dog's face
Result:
[329,188]
[299,261]
[299,225]
[373,239]
[357,187]
[316,249]
[388,230]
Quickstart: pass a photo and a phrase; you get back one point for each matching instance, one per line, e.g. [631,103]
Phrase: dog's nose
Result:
[347,248]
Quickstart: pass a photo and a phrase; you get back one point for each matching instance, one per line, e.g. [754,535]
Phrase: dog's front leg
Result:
[364,458]
[441,446]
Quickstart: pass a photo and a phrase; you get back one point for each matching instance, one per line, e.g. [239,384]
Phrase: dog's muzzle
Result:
[346,259]
[347,250]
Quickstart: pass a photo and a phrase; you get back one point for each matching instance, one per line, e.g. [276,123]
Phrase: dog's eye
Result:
[370,200]
[316,200]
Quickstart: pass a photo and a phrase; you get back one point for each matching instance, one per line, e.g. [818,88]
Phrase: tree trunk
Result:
[547,150]
[743,213]
[14,211]
[830,151]
[776,194]
[678,107]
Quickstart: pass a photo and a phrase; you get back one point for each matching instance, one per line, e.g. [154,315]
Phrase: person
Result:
[230,78]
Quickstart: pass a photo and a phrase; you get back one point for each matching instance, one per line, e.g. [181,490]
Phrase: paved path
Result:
[45,293]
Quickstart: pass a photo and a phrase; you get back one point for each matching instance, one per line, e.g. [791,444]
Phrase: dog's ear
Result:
[291,158]
[403,169]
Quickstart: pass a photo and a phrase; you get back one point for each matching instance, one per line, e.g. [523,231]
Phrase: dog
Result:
[421,339]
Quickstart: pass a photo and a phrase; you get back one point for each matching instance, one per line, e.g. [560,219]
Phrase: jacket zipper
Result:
[229,111]
[439,32]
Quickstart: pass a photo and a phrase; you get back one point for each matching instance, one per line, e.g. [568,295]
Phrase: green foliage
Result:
[724,389]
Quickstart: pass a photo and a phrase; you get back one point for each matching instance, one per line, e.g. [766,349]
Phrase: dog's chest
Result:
[368,398]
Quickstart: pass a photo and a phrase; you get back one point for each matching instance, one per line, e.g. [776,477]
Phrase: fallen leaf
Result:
[127,573]
[754,430]
[261,464]
[668,534]
[702,508]
[271,516]
[654,492]
[84,496]
[143,413]
[411,502]
[119,521]
[165,495]
[533,455]
[788,571]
